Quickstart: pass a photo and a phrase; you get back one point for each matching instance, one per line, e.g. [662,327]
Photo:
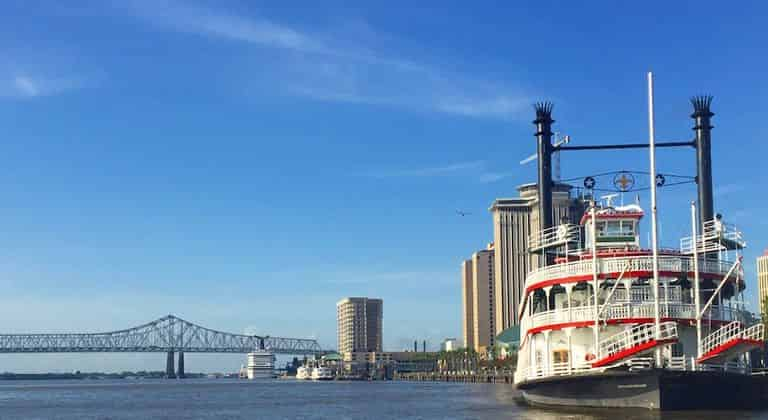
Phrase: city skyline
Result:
[244,166]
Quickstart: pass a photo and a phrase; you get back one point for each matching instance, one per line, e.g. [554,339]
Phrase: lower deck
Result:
[658,389]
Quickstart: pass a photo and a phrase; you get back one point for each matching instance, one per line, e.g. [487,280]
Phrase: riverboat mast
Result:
[654,226]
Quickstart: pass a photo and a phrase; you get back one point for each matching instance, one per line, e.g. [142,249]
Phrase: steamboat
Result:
[607,323]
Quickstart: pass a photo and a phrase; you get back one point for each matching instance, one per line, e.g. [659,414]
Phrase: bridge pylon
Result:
[170,372]
[180,370]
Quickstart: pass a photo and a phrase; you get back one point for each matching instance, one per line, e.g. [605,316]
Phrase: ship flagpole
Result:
[595,283]
[654,225]
[697,293]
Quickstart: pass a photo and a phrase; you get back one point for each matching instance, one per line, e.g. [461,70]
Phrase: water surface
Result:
[289,399]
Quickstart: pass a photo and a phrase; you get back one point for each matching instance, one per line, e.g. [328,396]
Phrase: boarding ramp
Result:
[730,341]
[635,341]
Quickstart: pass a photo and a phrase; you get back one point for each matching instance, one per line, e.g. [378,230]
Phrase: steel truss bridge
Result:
[168,334]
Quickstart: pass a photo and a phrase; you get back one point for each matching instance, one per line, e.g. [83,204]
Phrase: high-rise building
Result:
[359,324]
[478,300]
[762,279]
[484,300]
[514,219]
[467,300]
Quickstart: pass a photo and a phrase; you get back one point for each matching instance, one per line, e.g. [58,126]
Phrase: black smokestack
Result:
[544,151]
[703,128]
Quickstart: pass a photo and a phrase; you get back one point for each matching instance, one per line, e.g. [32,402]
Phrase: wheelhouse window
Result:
[614,228]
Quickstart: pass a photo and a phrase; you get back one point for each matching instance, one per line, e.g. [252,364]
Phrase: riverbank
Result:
[486,378]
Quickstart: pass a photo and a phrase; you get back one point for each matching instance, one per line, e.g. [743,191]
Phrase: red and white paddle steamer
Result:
[608,323]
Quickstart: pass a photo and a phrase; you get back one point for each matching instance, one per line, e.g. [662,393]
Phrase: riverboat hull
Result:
[653,389]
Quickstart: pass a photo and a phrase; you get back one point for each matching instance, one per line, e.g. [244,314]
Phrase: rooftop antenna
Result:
[555,155]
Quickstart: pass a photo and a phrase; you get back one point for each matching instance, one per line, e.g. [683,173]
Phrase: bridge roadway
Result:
[168,334]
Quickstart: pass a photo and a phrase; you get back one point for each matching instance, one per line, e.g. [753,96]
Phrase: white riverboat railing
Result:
[640,363]
[555,236]
[730,332]
[679,363]
[627,311]
[555,369]
[715,236]
[722,335]
[635,337]
[645,294]
[755,332]
[674,264]
[734,366]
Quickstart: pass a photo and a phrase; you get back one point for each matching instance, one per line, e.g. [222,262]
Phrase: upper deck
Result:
[634,264]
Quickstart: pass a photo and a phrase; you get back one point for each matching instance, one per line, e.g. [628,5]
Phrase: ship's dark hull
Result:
[653,389]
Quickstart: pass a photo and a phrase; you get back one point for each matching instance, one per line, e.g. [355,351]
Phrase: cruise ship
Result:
[261,365]
[608,323]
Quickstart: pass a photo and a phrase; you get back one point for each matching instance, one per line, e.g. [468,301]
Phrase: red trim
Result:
[640,273]
[581,324]
[576,324]
[717,351]
[615,215]
[608,253]
[630,351]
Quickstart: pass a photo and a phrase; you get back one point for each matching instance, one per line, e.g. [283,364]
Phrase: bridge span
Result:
[168,334]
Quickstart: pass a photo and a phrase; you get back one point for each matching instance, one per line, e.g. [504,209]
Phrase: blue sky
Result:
[246,164]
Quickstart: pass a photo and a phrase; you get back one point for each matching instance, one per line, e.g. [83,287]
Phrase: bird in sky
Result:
[463,213]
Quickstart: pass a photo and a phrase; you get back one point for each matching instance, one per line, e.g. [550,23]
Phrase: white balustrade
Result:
[755,332]
[677,363]
[635,336]
[623,311]
[645,294]
[674,264]
[722,335]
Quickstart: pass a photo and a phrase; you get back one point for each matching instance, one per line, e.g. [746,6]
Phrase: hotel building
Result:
[467,305]
[478,300]
[359,324]
[762,279]
[514,219]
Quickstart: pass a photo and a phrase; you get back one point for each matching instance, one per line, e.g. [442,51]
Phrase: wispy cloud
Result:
[498,106]
[187,17]
[24,85]
[327,68]
[445,170]
[488,177]
[474,170]
[17,84]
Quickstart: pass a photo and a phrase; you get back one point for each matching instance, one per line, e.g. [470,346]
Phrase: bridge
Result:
[168,334]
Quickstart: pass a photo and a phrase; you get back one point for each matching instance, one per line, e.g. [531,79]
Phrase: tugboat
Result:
[606,323]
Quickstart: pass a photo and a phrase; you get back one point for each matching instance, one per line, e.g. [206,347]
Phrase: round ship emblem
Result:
[624,181]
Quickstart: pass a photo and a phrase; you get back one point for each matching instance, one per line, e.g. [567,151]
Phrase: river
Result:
[290,399]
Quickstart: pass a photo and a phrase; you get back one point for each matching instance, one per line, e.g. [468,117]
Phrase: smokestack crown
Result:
[543,112]
[701,105]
